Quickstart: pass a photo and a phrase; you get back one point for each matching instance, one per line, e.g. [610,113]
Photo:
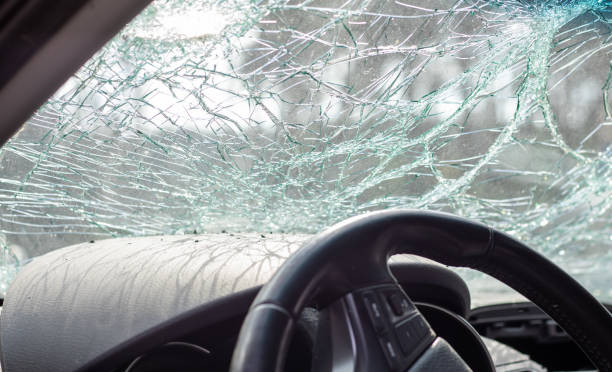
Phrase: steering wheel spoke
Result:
[378,328]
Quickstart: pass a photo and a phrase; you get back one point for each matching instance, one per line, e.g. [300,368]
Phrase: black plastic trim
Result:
[27,26]
[460,335]
[42,43]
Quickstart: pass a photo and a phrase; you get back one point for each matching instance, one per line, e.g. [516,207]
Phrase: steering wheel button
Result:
[395,301]
[374,311]
[407,336]
[390,352]
[399,304]
[406,305]
[420,326]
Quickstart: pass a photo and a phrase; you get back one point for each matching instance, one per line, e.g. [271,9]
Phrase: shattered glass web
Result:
[290,116]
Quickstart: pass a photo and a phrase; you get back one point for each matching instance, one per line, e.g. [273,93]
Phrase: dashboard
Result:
[177,303]
[474,334]
[210,349]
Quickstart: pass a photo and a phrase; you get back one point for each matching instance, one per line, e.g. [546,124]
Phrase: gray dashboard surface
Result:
[71,305]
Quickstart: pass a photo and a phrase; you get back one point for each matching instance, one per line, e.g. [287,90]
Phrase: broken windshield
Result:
[288,116]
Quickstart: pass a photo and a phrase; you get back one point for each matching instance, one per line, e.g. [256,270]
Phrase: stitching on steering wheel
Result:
[543,301]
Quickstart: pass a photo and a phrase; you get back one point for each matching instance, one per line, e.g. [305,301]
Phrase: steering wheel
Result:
[373,325]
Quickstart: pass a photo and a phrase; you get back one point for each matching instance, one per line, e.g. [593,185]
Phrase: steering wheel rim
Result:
[354,254]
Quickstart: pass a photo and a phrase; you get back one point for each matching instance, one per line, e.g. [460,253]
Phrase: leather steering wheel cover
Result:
[584,318]
[354,254]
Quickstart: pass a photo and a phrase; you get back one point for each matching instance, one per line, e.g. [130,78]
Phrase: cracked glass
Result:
[289,116]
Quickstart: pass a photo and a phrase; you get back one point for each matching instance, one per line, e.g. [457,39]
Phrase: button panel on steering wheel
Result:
[403,333]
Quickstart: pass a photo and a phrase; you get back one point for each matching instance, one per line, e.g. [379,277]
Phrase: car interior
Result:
[379,288]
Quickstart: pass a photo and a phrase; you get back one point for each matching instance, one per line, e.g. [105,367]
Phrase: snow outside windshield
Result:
[288,116]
